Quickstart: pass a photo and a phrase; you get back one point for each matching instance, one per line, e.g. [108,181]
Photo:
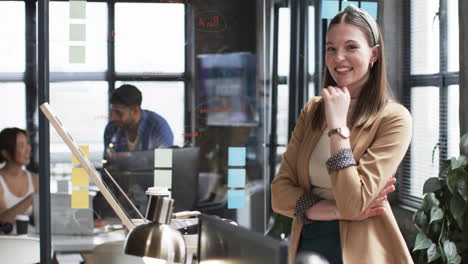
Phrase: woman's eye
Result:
[330,49]
[352,47]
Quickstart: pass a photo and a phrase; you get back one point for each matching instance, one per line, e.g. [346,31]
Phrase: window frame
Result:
[443,79]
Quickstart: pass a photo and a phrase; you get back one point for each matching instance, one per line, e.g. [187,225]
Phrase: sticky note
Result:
[80,199]
[236,156]
[329,8]
[163,178]
[236,199]
[371,8]
[77,32]
[77,54]
[85,150]
[78,9]
[79,177]
[236,178]
[163,158]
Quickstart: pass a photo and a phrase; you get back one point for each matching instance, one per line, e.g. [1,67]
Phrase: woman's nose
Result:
[339,56]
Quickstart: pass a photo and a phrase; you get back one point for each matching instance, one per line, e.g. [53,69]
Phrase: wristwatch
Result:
[342,131]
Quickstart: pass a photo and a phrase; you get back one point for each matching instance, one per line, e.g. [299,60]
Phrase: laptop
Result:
[64,219]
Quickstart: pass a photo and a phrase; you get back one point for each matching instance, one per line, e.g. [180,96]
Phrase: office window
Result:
[284,28]
[12,46]
[96,38]
[312,43]
[453,121]
[167,100]
[424,29]
[433,92]
[425,112]
[82,109]
[284,41]
[453,40]
[13,106]
[152,40]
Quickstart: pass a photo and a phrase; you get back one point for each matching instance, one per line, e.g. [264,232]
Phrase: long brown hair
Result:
[375,93]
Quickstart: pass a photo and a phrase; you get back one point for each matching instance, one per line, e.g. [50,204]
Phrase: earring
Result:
[372,64]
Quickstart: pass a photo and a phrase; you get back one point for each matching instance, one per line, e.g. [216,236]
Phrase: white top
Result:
[11,199]
[318,173]
[132,144]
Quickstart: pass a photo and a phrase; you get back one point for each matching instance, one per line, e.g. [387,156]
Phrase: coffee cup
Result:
[22,222]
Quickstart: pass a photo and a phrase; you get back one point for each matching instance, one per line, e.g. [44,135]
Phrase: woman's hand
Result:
[377,206]
[336,101]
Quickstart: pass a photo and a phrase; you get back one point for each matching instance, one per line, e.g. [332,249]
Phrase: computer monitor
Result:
[135,180]
[224,243]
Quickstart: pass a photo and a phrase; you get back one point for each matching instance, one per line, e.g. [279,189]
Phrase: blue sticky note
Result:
[371,8]
[236,199]
[236,156]
[330,8]
[344,4]
[236,178]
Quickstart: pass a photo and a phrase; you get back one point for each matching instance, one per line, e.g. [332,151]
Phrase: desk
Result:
[71,243]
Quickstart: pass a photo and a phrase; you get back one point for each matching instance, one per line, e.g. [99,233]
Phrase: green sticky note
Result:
[78,9]
[77,32]
[163,158]
[163,178]
[77,54]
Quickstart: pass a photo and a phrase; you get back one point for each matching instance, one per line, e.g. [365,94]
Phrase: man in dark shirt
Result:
[132,128]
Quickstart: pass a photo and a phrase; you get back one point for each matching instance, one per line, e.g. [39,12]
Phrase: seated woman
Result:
[16,183]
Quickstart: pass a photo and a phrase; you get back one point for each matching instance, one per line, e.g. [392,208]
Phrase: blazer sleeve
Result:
[285,188]
[355,187]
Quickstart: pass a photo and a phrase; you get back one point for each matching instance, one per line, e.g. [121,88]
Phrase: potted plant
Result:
[442,220]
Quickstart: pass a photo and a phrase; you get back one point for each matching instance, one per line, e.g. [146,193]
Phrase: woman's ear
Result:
[375,53]
[5,155]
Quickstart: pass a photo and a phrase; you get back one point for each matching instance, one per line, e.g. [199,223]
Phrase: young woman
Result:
[344,152]
[16,183]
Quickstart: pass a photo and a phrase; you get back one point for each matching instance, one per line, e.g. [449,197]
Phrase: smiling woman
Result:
[344,152]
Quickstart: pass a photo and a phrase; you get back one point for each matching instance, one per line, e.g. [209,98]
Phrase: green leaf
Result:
[432,253]
[422,242]
[452,179]
[464,145]
[436,214]
[433,185]
[456,260]
[420,220]
[450,250]
[458,163]
[436,227]
[462,186]
[457,206]
[429,201]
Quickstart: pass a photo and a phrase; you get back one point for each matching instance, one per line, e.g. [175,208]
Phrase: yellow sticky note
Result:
[78,9]
[163,178]
[80,199]
[79,177]
[85,150]
[77,54]
[77,32]
[163,158]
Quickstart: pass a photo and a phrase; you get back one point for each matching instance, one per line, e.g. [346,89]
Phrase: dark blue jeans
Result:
[322,237]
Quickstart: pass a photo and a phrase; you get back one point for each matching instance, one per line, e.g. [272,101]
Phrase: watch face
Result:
[344,132]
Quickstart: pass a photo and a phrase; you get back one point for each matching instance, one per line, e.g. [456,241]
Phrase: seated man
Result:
[132,128]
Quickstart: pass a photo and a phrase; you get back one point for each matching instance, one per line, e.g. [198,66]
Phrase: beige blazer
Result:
[378,149]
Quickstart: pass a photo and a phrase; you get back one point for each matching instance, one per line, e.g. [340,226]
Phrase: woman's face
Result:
[23,149]
[348,57]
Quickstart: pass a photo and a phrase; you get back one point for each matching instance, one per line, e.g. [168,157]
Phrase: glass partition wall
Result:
[198,65]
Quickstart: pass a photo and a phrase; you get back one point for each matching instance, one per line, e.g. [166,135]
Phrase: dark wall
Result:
[234,30]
